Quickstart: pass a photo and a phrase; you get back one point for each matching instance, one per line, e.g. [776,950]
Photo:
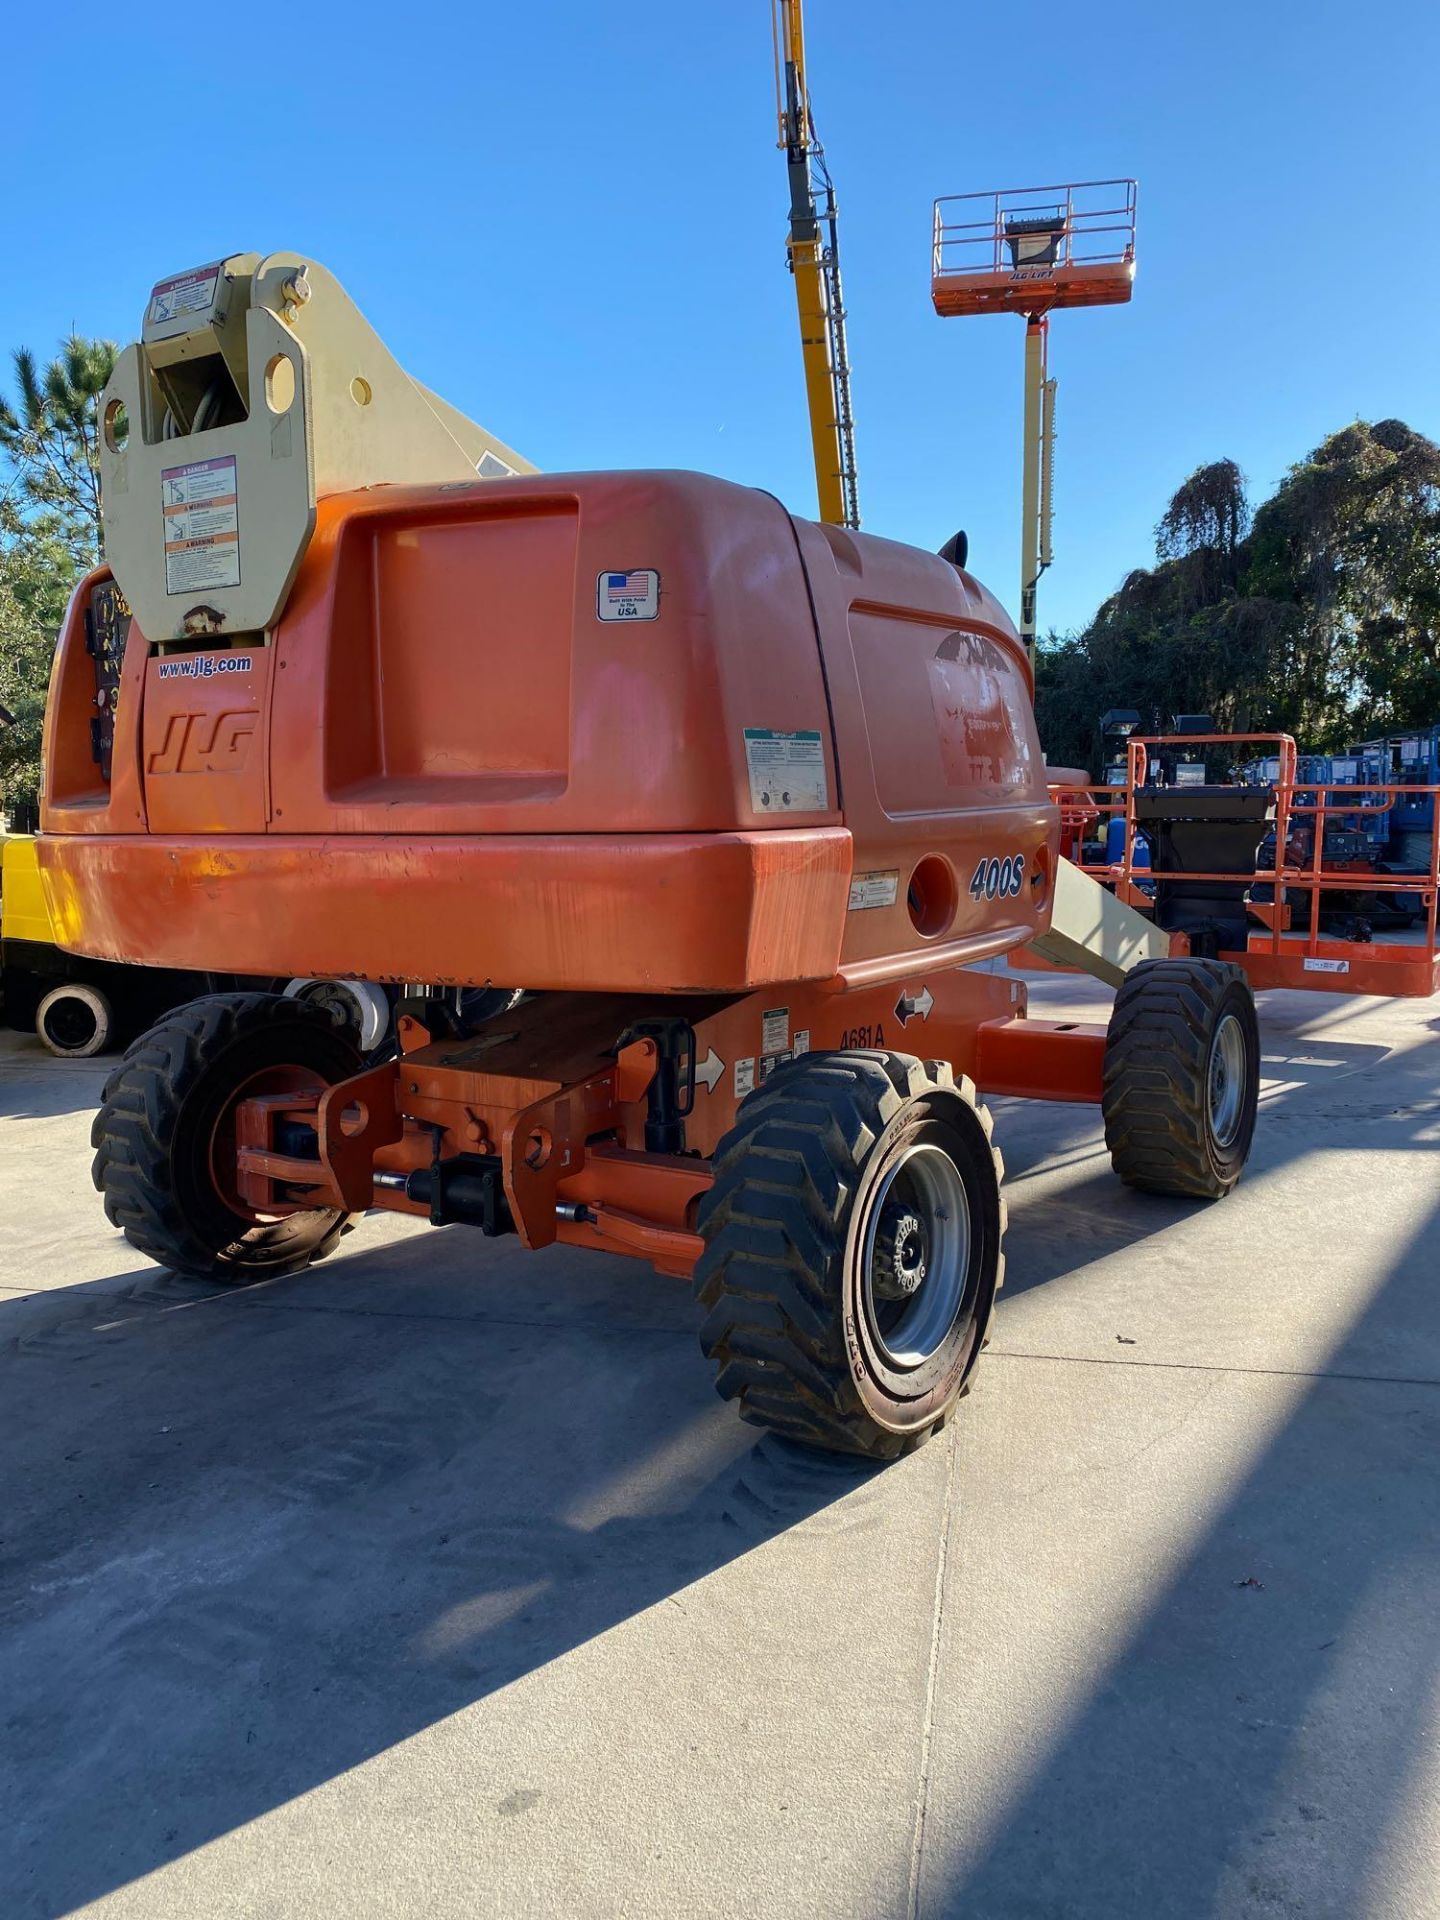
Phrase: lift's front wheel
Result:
[1182,1077]
[852,1250]
[164,1137]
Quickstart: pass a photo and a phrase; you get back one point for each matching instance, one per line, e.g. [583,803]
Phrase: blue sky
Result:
[569,219]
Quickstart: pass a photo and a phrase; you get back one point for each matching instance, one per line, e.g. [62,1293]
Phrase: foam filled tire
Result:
[164,1135]
[75,1021]
[852,1250]
[1182,1077]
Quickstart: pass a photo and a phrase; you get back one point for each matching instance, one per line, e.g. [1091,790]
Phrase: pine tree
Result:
[49,535]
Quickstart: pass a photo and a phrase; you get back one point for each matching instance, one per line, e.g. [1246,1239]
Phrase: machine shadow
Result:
[35,1085]
[252,1539]
[1249,1747]
[1067,1209]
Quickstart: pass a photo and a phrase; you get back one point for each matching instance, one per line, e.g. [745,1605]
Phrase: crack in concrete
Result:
[937,1619]
[1201,1366]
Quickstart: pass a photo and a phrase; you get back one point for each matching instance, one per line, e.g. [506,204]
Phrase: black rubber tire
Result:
[779,1273]
[75,1020]
[157,1115]
[1156,1101]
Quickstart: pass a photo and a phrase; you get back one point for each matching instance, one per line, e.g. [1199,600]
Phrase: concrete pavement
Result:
[438,1582]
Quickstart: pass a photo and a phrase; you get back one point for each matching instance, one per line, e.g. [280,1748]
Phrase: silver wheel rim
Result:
[923,1186]
[1226,1080]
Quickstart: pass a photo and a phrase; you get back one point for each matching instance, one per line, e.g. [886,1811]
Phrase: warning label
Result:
[775,1030]
[185,293]
[201,511]
[873,890]
[787,771]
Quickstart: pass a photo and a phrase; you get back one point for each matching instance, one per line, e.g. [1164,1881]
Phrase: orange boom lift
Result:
[740,799]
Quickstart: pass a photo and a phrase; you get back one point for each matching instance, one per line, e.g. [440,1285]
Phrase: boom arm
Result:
[814,252]
[257,389]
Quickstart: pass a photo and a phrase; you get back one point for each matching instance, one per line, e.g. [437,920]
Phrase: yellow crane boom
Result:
[814,254]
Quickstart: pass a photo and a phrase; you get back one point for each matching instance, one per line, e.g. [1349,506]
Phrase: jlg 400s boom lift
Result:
[739,798]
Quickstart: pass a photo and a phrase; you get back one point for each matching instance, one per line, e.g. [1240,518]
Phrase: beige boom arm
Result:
[1092,930]
[256,389]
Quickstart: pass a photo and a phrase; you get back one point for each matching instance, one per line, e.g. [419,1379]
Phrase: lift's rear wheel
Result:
[164,1137]
[1182,1077]
[75,1020]
[852,1250]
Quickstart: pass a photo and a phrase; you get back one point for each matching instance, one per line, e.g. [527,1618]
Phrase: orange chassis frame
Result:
[564,1115]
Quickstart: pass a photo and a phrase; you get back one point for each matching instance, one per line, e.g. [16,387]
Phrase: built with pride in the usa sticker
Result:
[628,596]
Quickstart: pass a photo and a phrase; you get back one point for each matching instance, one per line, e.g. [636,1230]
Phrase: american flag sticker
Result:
[633,594]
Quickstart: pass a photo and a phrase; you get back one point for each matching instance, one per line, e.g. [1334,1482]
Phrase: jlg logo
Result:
[205,743]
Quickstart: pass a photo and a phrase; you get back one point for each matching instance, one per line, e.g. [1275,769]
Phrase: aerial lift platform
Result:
[742,800]
[1033,251]
[1212,881]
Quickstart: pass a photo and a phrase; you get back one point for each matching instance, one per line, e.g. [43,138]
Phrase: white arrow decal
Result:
[909,1004]
[710,1070]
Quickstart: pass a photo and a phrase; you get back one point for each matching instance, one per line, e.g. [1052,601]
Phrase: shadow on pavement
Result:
[1250,1750]
[252,1539]
[34,1084]
[1312,1090]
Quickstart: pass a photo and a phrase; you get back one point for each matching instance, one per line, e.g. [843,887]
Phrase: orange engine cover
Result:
[592,731]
